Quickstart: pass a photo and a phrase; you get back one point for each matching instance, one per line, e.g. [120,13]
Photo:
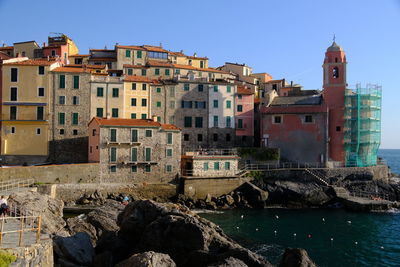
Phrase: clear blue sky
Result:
[286,38]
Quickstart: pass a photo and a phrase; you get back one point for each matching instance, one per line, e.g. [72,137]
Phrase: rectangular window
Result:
[130,71]
[76,82]
[134,136]
[216,166]
[172,119]
[40,91]
[199,137]
[149,133]
[75,100]
[40,113]
[113,154]
[113,135]
[139,54]
[13,113]
[114,113]
[228,122]
[215,103]
[99,112]
[133,102]
[199,122]
[228,137]
[156,71]
[61,118]
[277,119]
[100,91]
[133,115]
[61,99]
[177,71]
[115,92]
[113,168]
[158,119]
[187,104]
[13,129]
[168,168]
[239,108]
[144,102]
[75,119]
[240,96]
[227,165]
[205,166]
[215,121]
[147,154]
[186,137]
[215,88]
[41,70]
[169,138]
[308,119]
[134,168]
[127,53]
[158,90]
[186,87]
[147,168]
[172,91]
[144,116]
[14,74]
[166,71]
[172,104]
[169,152]
[62,81]
[188,122]
[144,86]
[133,86]
[13,94]
[240,123]
[228,89]
[215,137]
[134,154]
[143,72]
[228,104]
[200,88]
[38,131]
[158,104]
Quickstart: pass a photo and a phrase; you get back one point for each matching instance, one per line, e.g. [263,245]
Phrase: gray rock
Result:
[229,262]
[254,195]
[76,249]
[229,200]
[50,209]
[172,229]
[208,198]
[296,257]
[148,259]
[79,224]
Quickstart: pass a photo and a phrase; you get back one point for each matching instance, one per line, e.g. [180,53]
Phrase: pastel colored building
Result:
[244,117]
[133,150]
[136,98]
[28,49]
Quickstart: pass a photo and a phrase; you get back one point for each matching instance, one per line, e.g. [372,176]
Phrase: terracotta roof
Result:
[193,57]
[77,55]
[4,55]
[71,69]
[179,54]
[241,90]
[134,47]
[154,48]
[32,62]
[102,59]
[155,63]
[275,81]
[102,50]
[134,122]
[257,101]
[6,48]
[134,78]
[89,66]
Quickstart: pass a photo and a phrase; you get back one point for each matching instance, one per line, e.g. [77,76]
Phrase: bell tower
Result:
[334,90]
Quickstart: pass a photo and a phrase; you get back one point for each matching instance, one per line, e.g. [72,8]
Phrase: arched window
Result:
[335,73]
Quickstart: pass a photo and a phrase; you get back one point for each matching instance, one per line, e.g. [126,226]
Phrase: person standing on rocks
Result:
[3,206]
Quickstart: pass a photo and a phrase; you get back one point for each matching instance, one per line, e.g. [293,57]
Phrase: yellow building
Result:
[26,104]
[137,103]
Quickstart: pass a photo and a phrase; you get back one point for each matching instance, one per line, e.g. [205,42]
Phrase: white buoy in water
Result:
[331,238]
[323,219]
[382,247]
[294,234]
[256,229]
[242,216]
[276,216]
[275,232]
[237,227]
[349,222]
[356,243]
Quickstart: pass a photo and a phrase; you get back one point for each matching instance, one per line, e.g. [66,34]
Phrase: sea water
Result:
[332,237]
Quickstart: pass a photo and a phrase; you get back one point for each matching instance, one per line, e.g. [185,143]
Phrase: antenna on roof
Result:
[160,44]
[105,47]
[334,37]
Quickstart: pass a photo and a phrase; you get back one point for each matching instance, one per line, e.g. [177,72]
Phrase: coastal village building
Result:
[134,150]
[26,109]
[244,116]
[136,94]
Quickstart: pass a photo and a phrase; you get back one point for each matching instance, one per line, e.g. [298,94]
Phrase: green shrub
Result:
[6,258]
[260,154]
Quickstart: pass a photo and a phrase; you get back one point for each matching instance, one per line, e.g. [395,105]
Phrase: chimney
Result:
[154,118]
[291,83]
[48,58]
[44,44]
[195,54]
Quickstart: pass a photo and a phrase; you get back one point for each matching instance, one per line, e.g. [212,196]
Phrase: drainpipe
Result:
[53,116]
[107,81]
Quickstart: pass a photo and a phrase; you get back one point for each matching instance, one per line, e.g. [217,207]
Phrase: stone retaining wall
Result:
[36,255]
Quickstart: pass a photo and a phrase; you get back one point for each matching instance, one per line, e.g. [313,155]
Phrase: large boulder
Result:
[172,229]
[148,259]
[104,218]
[296,257]
[254,195]
[75,249]
[80,224]
[50,210]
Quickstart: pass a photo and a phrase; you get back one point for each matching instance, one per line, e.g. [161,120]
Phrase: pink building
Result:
[54,51]
[244,115]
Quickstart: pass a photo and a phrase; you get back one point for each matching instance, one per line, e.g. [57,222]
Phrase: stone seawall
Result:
[36,255]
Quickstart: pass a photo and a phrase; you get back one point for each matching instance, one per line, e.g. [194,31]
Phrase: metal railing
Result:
[211,152]
[282,165]
[369,195]
[26,224]
[15,184]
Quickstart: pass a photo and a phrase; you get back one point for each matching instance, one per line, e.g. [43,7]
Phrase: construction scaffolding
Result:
[362,131]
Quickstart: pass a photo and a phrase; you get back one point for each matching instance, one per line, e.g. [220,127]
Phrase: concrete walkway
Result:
[11,240]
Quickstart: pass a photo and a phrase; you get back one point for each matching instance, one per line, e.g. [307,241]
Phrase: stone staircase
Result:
[341,192]
[322,179]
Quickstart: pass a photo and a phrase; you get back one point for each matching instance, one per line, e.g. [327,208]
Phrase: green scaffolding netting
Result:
[362,131]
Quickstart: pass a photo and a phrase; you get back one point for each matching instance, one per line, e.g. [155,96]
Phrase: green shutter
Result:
[75,118]
[215,88]
[169,138]
[113,135]
[149,133]
[134,135]
[239,108]
[99,112]
[228,104]
[134,168]
[166,71]
[144,116]
[215,103]
[169,168]
[115,92]
[227,165]
[76,82]
[228,121]
[216,166]
[147,168]
[228,88]
[186,87]
[143,72]
[240,123]
[148,154]
[100,91]
[134,154]
[114,113]
[62,81]
[158,90]
[205,166]
[139,54]
[128,53]
[133,115]
[157,71]
[61,118]
[113,154]
[130,72]
[158,104]
[169,152]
